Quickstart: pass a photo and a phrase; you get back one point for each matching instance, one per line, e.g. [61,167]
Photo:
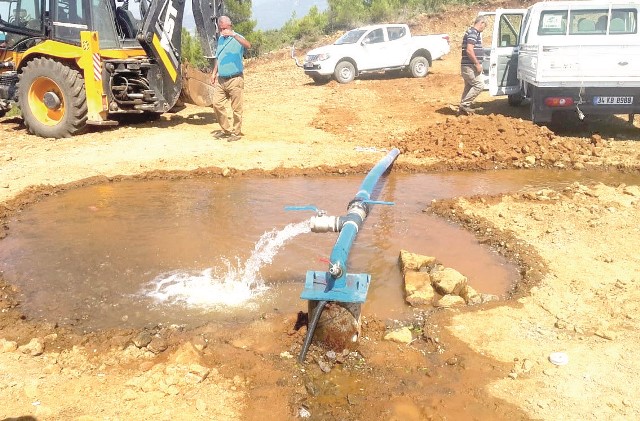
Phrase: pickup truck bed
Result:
[581,56]
[587,65]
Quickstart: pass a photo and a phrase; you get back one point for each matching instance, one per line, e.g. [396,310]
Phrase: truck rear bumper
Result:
[588,100]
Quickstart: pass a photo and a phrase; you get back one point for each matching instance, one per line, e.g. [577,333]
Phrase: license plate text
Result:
[612,100]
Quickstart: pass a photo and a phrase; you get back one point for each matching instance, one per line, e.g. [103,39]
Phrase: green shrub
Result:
[192,51]
[14,111]
[341,15]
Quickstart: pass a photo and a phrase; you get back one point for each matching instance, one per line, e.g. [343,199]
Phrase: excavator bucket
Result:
[196,87]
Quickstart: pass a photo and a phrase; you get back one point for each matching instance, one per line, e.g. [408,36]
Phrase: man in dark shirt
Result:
[471,65]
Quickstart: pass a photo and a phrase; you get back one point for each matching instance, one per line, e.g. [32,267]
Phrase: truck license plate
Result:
[612,100]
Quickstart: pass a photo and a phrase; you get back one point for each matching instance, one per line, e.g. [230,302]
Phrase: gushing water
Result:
[227,286]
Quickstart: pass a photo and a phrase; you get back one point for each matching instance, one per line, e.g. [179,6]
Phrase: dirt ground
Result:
[579,293]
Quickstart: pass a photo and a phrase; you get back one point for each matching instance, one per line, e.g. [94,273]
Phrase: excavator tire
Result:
[52,98]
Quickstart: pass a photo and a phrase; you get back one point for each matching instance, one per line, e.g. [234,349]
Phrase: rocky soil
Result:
[578,293]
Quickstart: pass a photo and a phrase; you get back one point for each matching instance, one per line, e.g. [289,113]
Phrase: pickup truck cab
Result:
[375,48]
[582,56]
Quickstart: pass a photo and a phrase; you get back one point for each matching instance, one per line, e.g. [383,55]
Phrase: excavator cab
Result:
[19,21]
[116,22]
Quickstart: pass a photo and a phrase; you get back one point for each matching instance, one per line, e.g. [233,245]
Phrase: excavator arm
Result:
[161,38]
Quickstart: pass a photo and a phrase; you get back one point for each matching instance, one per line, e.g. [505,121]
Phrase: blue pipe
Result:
[349,225]
[337,284]
[370,181]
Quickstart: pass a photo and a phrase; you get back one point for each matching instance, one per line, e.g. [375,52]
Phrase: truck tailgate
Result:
[582,65]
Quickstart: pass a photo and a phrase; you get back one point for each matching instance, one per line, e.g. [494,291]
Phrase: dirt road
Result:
[579,292]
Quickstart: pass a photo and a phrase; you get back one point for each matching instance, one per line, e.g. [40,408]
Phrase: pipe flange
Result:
[360,205]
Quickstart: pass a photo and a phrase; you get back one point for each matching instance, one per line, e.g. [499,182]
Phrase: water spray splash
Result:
[232,286]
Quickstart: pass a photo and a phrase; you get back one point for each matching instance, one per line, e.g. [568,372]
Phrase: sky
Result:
[268,14]
[272,14]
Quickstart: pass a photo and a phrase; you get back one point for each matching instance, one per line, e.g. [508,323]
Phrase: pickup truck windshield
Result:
[350,37]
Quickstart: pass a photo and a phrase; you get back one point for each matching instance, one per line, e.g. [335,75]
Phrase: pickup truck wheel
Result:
[345,72]
[419,66]
[515,99]
[538,116]
[319,80]
[534,104]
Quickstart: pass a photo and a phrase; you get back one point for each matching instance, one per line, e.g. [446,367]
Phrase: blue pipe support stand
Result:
[336,284]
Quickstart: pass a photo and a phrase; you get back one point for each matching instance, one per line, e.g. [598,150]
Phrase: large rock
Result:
[186,354]
[338,327]
[470,295]
[415,262]
[418,289]
[402,335]
[632,191]
[7,346]
[428,283]
[415,281]
[450,301]
[34,348]
[448,281]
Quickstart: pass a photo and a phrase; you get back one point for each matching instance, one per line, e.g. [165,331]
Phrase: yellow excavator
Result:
[70,64]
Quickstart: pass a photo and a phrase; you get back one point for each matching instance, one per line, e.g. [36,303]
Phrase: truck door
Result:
[397,46]
[486,47]
[503,60]
[372,51]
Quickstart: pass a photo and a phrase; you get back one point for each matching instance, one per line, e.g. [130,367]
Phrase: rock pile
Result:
[429,284]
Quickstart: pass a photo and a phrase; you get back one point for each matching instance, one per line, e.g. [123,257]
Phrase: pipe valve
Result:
[335,270]
[325,223]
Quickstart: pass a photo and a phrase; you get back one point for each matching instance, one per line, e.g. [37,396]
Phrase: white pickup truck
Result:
[582,56]
[375,48]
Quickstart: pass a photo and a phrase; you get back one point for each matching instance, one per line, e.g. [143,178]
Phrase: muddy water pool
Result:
[92,257]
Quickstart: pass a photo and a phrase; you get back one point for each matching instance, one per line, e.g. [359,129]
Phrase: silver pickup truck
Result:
[582,56]
[375,48]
